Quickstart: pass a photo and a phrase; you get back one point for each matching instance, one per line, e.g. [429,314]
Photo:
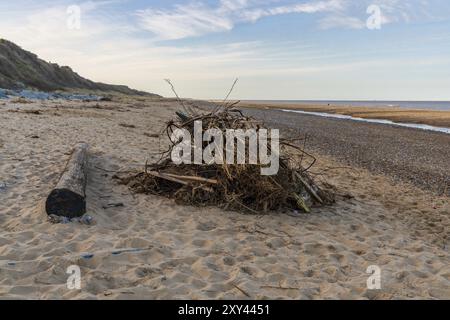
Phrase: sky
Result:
[279,49]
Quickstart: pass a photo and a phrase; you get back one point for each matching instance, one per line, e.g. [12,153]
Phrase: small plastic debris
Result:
[113,205]
[87,256]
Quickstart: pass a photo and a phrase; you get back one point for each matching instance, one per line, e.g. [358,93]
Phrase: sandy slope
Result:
[187,252]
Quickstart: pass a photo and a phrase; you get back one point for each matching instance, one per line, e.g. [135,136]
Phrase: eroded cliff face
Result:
[22,69]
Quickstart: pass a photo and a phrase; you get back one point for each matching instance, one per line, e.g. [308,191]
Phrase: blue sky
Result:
[279,49]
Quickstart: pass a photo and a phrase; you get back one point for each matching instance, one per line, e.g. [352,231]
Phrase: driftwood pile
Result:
[239,187]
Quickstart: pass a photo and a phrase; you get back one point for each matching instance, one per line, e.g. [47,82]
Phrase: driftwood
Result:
[167,177]
[309,189]
[184,180]
[68,199]
[191,178]
[240,187]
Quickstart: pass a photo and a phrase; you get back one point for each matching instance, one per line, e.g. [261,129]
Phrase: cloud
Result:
[199,18]
[232,5]
[310,7]
[184,21]
[49,23]
[196,19]
[340,21]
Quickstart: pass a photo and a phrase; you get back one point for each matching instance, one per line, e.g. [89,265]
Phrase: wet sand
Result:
[430,117]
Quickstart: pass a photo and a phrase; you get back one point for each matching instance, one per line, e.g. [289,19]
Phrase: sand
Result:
[151,248]
[403,115]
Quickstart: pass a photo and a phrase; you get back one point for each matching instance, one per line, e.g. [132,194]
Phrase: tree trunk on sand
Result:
[68,199]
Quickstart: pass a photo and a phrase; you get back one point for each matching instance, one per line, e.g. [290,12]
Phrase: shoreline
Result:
[435,118]
[425,127]
[409,155]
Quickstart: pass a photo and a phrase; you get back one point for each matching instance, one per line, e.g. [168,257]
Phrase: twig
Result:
[304,147]
[280,287]
[166,177]
[187,109]
[231,90]
[304,152]
[241,290]
[224,105]
[198,179]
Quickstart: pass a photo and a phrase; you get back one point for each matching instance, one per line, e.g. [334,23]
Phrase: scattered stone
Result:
[113,205]
[36,112]
[39,95]
[85,219]
[3,94]
[151,135]
[125,125]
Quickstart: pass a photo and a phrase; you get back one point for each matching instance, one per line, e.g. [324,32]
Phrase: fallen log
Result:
[68,199]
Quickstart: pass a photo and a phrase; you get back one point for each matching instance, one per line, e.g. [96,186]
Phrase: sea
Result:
[427,105]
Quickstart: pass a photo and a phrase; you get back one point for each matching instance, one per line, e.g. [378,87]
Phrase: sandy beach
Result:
[147,247]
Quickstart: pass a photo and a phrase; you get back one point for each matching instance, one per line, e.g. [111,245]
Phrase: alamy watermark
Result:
[375,19]
[191,150]
[74,279]
[73,17]
[374,280]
